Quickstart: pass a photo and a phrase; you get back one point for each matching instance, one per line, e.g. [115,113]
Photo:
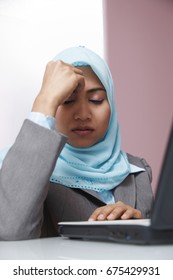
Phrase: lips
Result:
[83,130]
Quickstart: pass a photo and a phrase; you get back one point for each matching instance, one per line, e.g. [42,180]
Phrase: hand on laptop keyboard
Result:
[115,211]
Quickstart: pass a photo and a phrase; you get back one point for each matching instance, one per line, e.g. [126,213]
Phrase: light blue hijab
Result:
[104,165]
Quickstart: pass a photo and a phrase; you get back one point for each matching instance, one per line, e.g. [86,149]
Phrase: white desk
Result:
[59,248]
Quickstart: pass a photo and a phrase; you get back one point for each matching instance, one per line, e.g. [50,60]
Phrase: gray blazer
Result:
[31,206]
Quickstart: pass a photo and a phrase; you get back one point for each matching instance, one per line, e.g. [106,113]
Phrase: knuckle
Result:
[59,62]
[49,63]
[120,203]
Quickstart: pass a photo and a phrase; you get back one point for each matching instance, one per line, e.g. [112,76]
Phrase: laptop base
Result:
[133,234]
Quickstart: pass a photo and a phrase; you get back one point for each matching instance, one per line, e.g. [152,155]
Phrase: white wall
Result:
[32,32]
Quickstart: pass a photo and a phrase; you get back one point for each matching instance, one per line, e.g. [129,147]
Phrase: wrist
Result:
[45,106]
[43,120]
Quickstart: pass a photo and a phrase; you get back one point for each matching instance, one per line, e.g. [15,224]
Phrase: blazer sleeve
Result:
[24,178]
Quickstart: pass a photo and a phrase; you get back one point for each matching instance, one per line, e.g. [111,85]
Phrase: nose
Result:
[82,112]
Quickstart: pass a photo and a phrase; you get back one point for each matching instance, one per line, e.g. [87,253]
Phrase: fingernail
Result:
[101,217]
[111,217]
[124,217]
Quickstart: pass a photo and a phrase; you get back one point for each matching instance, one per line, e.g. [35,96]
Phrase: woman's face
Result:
[84,117]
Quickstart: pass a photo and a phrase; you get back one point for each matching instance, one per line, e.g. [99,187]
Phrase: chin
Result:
[81,145]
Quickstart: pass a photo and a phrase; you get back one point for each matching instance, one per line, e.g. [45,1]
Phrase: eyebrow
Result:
[96,89]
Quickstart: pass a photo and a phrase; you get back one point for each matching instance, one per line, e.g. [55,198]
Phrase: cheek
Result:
[62,113]
[61,118]
[58,113]
[105,116]
[103,120]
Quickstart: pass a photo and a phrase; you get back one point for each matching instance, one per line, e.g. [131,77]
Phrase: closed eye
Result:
[97,102]
[69,101]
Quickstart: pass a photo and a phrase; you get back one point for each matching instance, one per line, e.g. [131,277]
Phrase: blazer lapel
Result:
[93,193]
[126,191]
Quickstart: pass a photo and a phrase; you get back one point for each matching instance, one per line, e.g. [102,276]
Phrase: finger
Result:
[97,213]
[117,212]
[81,83]
[131,213]
[101,213]
[77,71]
[64,64]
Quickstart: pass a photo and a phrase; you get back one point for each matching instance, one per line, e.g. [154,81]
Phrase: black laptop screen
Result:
[162,215]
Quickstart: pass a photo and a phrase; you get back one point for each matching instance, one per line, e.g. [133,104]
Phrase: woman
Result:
[66,163]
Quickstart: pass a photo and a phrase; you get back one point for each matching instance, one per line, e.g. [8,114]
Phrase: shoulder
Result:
[140,162]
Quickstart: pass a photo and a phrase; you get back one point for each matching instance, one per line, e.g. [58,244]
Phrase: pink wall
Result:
[139,51]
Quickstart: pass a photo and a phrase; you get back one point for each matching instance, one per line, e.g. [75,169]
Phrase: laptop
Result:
[157,230]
